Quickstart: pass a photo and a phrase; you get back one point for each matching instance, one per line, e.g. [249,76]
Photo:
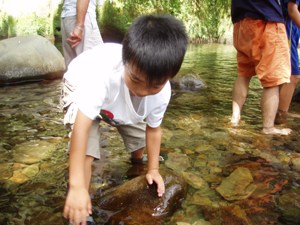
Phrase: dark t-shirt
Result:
[268,10]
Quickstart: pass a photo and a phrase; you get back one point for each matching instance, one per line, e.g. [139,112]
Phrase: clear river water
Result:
[33,161]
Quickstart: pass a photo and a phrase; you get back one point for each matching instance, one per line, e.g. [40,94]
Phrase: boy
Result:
[131,84]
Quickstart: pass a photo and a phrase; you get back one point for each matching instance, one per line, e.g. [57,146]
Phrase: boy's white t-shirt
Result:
[98,78]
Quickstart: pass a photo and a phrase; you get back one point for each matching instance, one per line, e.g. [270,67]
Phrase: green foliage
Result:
[205,20]
[202,18]
[32,24]
[4,25]
[56,21]
[11,26]
[211,15]
[114,17]
[43,26]
[8,26]
[138,7]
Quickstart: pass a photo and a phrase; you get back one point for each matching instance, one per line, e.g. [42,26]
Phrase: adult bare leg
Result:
[269,106]
[285,97]
[239,96]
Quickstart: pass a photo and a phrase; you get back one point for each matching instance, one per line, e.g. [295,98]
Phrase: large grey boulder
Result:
[29,58]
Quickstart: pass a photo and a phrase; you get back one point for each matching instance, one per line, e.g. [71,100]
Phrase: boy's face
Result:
[137,83]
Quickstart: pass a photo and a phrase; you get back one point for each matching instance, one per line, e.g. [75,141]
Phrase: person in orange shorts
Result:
[260,39]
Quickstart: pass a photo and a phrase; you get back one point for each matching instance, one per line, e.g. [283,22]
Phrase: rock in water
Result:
[238,185]
[135,202]
[189,82]
[29,58]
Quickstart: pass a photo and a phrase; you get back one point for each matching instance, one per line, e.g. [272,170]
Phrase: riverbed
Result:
[33,159]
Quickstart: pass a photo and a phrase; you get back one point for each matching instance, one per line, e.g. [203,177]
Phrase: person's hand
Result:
[75,36]
[154,176]
[78,206]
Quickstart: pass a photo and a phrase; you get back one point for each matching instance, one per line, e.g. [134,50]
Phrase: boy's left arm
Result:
[153,141]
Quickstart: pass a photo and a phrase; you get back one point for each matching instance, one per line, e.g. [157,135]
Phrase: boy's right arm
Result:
[78,202]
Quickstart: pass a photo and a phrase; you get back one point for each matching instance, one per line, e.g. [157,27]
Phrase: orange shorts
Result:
[262,50]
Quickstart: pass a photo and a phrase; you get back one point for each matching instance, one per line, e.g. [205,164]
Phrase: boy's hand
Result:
[153,175]
[78,206]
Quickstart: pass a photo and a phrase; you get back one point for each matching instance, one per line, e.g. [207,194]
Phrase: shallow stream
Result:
[33,161]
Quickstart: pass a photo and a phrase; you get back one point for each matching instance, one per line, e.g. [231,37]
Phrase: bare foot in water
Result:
[281,117]
[235,121]
[273,130]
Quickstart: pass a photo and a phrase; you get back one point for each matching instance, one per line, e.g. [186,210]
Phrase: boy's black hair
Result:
[155,46]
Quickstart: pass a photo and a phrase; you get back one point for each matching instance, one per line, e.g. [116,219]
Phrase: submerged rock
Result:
[178,162]
[231,215]
[32,152]
[238,185]
[6,170]
[296,163]
[189,82]
[288,204]
[136,202]
[194,180]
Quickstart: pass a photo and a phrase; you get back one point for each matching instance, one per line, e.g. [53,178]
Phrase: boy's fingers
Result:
[80,217]
[89,208]
[149,179]
[159,182]
[66,211]
[160,188]
[71,216]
